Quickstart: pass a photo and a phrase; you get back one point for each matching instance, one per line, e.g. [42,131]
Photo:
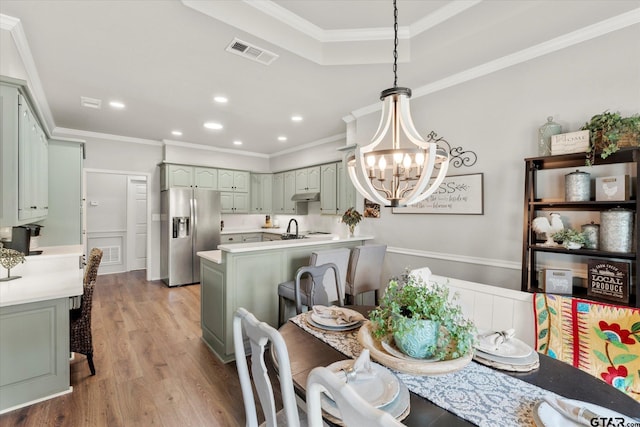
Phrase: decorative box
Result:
[613,188]
[557,281]
[573,142]
[608,280]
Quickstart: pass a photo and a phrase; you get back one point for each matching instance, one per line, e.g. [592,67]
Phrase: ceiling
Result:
[166,60]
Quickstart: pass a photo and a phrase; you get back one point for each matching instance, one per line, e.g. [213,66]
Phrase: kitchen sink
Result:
[289,236]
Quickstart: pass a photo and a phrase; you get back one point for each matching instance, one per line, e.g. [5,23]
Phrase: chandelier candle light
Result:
[397,176]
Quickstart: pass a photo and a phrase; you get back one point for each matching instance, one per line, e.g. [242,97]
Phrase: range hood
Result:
[306,197]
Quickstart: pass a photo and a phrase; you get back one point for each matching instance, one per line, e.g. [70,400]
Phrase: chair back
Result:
[340,257]
[365,269]
[91,271]
[259,335]
[354,410]
[316,291]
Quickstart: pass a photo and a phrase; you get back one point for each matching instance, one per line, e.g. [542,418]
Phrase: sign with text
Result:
[608,280]
[457,194]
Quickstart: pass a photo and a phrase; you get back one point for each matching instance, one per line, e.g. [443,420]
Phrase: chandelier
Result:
[397,176]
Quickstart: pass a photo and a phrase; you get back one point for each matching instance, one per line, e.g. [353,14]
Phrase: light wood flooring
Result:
[152,368]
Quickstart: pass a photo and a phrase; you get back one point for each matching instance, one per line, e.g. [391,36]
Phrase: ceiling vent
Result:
[252,52]
[90,102]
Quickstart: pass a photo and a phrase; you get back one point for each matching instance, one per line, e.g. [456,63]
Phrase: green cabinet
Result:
[284,187]
[24,158]
[328,189]
[346,191]
[278,193]
[261,193]
[234,202]
[235,181]
[172,176]
[307,180]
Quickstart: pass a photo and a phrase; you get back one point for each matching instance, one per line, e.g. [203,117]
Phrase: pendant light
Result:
[397,176]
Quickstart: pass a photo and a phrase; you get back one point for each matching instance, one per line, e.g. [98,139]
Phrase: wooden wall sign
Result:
[608,280]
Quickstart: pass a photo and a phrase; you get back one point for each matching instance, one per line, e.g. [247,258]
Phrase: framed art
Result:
[457,194]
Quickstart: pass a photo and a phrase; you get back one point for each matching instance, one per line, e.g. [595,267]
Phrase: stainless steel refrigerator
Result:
[190,221]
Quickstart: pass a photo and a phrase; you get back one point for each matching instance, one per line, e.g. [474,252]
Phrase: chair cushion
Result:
[287,291]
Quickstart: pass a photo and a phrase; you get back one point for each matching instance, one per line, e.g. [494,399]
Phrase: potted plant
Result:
[608,132]
[570,238]
[409,304]
[351,217]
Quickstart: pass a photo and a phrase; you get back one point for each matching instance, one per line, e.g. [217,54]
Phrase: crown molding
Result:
[14,26]
[216,149]
[441,15]
[598,29]
[322,141]
[58,132]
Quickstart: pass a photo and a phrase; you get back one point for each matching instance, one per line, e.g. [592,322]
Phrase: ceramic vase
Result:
[420,340]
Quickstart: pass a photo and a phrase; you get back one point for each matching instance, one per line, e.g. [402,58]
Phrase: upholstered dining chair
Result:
[354,410]
[365,271]
[260,334]
[80,339]
[286,290]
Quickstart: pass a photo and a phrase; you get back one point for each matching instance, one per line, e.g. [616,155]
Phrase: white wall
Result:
[497,117]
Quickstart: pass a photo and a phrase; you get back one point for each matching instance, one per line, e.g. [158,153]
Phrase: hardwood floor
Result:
[152,368]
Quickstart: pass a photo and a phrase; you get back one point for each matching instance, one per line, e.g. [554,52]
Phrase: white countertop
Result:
[54,274]
[272,230]
[320,239]
[213,256]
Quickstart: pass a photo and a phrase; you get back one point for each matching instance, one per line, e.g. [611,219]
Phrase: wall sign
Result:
[457,194]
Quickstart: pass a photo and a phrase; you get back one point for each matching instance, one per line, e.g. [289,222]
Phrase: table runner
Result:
[476,393]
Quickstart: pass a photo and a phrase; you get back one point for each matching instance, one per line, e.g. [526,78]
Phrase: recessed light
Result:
[221,99]
[237,142]
[176,133]
[296,118]
[213,125]
[282,138]
[116,104]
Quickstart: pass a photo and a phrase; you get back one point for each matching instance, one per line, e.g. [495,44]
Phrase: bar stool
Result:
[365,270]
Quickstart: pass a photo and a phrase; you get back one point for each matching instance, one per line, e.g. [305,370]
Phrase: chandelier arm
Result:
[442,173]
[407,124]
[381,188]
[361,173]
[425,176]
[383,126]
[351,168]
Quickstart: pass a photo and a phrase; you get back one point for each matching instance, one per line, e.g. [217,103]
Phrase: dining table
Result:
[307,351]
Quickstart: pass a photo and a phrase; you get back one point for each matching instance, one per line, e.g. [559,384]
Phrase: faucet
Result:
[289,226]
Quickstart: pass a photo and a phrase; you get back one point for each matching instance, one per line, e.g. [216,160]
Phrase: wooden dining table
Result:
[307,352]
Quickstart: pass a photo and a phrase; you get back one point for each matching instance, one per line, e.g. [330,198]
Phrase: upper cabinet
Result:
[235,181]
[172,176]
[261,193]
[307,180]
[328,192]
[284,187]
[25,159]
[346,191]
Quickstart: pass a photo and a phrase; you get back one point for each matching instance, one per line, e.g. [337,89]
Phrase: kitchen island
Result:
[247,275]
[34,326]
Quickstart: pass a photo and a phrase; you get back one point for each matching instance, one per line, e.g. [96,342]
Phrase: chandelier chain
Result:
[395,45]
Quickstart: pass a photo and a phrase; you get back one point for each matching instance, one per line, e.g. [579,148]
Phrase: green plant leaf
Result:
[553,311]
[543,347]
[601,356]
[542,317]
[540,302]
[600,334]
[621,359]
[619,345]
[543,333]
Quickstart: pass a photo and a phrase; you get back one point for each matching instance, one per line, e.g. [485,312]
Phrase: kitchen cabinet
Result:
[172,176]
[234,181]
[251,237]
[278,193]
[346,191]
[234,202]
[230,238]
[24,158]
[307,180]
[261,193]
[284,187]
[270,237]
[328,189]
[533,251]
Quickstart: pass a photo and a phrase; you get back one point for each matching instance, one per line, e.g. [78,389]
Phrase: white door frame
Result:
[147,176]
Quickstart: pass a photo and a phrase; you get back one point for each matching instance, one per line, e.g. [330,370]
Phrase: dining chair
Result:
[260,334]
[355,411]
[334,289]
[365,271]
[80,338]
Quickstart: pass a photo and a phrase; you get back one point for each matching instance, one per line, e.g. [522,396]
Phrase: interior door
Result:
[137,223]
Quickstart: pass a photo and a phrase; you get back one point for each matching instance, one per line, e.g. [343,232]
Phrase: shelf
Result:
[624,155]
[584,252]
[542,205]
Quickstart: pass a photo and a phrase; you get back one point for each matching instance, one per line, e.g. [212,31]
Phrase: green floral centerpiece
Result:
[409,302]
[351,217]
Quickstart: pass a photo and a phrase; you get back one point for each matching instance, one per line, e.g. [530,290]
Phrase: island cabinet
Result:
[24,158]
[544,176]
[248,277]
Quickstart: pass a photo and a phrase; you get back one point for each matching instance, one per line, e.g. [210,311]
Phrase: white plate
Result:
[527,360]
[332,323]
[398,408]
[378,391]
[390,347]
[545,416]
[513,347]
[340,328]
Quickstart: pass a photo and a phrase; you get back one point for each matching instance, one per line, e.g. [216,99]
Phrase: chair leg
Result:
[90,360]
[280,311]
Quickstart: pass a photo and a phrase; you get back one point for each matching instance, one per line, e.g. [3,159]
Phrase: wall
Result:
[11,64]
[497,117]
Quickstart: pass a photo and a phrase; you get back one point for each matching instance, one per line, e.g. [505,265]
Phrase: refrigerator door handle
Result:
[194,218]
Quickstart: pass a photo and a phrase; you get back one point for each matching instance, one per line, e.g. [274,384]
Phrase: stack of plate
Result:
[384,391]
[331,324]
[511,355]
[546,416]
